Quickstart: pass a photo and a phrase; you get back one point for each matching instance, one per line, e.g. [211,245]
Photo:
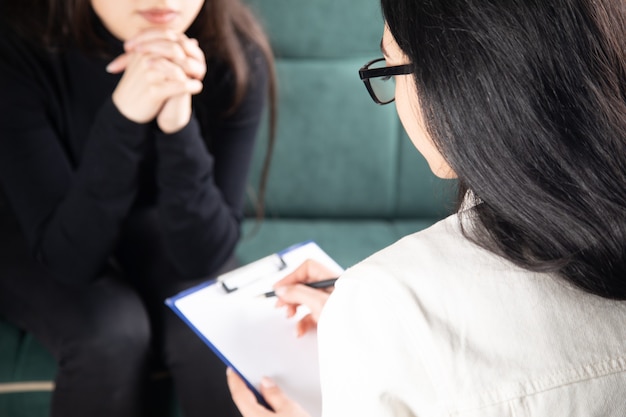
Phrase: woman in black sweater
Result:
[126,133]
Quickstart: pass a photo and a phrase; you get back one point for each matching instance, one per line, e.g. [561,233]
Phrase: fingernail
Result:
[267,383]
[109,68]
[229,371]
[280,291]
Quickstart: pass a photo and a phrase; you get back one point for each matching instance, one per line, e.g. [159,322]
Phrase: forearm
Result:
[200,228]
[201,191]
[77,237]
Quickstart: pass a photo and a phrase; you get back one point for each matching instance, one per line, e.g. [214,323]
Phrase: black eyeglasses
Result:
[379,81]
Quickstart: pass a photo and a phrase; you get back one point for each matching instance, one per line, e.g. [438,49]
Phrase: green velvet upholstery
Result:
[26,371]
[343,173]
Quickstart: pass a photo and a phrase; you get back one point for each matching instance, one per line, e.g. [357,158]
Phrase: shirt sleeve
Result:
[201,191]
[70,214]
[373,356]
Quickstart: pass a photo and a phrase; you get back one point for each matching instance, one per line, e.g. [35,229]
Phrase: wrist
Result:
[128,113]
[175,114]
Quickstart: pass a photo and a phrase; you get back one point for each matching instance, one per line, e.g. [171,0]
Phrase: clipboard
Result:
[249,334]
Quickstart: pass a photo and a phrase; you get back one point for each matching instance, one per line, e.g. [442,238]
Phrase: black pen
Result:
[317,284]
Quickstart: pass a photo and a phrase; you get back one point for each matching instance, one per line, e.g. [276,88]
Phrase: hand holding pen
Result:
[295,289]
[292,295]
[326,283]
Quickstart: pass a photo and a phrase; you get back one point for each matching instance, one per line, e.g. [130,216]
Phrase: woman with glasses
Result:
[513,306]
[126,133]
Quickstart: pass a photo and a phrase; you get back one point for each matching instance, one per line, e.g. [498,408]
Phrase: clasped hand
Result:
[291,295]
[162,70]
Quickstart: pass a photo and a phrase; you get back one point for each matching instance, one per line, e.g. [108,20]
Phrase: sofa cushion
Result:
[26,374]
[320,29]
[337,155]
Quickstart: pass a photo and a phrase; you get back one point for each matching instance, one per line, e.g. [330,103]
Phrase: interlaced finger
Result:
[178,48]
[163,69]
[152,34]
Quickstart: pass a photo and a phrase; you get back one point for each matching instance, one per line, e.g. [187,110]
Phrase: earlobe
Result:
[446,172]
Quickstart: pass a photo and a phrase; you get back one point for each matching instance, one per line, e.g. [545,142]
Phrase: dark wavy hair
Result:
[222,29]
[526,100]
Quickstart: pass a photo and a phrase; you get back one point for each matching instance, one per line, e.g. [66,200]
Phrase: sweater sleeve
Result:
[201,191]
[70,214]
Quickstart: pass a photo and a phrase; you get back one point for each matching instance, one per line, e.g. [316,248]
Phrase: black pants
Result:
[107,336]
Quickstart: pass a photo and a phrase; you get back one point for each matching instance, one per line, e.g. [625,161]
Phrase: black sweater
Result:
[76,173]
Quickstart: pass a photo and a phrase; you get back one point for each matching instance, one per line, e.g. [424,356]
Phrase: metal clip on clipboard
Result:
[251,272]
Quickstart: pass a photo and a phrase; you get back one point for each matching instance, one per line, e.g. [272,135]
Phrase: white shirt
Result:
[436,326]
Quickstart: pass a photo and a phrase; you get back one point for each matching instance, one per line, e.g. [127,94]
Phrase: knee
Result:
[117,332]
[180,344]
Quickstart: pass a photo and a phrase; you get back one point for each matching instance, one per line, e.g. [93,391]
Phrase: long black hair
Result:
[526,100]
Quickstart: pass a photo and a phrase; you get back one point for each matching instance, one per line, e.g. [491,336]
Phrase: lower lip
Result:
[159,18]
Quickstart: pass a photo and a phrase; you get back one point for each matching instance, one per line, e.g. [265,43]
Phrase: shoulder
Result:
[221,78]
[256,58]
[441,258]
[21,57]
[28,78]
[440,251]
[219,69]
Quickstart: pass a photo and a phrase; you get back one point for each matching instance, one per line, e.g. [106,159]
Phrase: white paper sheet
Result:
[253,336]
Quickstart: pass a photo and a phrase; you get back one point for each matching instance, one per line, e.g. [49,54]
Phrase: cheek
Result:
[409,115]
[116,17]
[191,12]
[408,110]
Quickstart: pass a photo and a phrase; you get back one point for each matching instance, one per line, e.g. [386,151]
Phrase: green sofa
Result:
[343,173]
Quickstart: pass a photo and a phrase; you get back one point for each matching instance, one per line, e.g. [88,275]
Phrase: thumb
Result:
[273,395]
[119,64]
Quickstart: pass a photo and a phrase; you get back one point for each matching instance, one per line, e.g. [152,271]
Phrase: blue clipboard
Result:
[249,334]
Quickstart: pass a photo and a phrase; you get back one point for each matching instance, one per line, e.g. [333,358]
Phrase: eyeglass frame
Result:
[366,73]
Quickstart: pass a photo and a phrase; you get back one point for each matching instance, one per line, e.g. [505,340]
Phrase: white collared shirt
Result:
[436,326]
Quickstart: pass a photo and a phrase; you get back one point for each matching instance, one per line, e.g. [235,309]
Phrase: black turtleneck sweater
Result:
[78,177]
